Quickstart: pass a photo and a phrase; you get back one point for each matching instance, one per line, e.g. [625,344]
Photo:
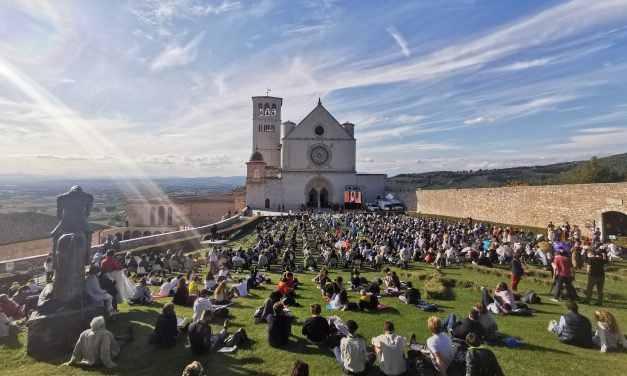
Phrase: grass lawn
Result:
[540,355]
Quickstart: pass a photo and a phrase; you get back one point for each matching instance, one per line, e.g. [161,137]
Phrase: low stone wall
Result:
[534,206]
[22,269]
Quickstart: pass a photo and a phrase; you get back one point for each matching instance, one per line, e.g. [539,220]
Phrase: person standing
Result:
[596,277]
[517,271]
[563,271]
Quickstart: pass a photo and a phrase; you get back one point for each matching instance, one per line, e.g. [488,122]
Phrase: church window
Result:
[260,109]
[170,216]
[273,109]
[259,126]
[267,203]
[256,173]
[161,214]
[152,216]
[319,130]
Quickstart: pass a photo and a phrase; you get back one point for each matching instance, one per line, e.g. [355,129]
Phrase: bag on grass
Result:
[236,338]
[531,298]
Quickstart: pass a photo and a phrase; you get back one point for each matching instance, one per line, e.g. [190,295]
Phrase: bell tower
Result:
[267,129]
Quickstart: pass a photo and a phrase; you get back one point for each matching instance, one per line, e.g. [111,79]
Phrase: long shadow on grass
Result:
[532,347]
[11,342]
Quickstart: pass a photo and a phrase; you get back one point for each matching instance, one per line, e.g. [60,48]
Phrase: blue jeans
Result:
[449,322]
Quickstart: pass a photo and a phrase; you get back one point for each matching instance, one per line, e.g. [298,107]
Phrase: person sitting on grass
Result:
[333,288]
[340,301]
[193,369]
[142,295]
[199,333]
[210,281]
[389,348]
[608,335]
[489,325]
[300,368]
[98,345]
[480,361]
[222,295]
[279,326]
[167,331]
[460,329]
[181,294]
[201,304]
[367,301]
[195,286]
[411,296]
[351,353]
[439,347]
[573,328]
[289,298]
[267,308]
[316,328]
[502,302]
[153,279]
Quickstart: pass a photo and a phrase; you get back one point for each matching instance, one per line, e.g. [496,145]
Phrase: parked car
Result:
[371,207]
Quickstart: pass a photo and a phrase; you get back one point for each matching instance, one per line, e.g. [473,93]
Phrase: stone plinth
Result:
[59,331]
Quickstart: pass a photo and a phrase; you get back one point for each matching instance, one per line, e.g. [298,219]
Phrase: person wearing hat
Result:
[351,353]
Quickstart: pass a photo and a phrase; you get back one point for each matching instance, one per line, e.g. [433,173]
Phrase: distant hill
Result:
[612,168]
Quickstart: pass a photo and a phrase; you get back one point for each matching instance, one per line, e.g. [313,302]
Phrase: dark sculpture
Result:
[71,244]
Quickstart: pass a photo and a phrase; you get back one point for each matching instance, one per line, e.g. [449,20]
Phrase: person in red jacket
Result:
[110,264]
[563,272]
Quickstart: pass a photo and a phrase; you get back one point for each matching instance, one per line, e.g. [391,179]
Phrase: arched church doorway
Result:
[324,198]
[614,223]
[267,204]
[319,193]
[313,198]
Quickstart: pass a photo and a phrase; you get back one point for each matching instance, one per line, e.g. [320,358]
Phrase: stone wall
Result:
[579,204]
[408,197]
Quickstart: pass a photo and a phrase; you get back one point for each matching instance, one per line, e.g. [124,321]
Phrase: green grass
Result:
[541,354]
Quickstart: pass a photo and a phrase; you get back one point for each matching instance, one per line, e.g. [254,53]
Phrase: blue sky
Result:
[163,87]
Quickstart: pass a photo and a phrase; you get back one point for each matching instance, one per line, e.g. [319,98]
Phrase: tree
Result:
[592,171]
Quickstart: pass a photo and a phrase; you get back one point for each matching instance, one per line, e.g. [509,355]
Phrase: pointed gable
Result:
[319,116]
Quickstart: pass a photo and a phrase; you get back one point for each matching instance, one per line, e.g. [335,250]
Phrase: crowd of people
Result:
[326,244]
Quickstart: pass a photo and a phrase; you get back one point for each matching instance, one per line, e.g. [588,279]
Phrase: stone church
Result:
[310,164]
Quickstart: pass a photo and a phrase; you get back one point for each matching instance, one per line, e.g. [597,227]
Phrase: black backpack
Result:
[530,298]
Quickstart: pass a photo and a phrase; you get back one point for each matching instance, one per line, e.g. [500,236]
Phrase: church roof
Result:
[256,157]
[24,227]
[319,109]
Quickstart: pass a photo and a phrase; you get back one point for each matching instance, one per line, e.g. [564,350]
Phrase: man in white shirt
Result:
[242,287]
[201,304]
[390,351]
[351,354]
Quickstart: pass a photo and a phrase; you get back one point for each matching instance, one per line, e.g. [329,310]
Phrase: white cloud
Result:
[478,120]
[400,40]
[524,65]
[175,54]
[60,80]
[594,139]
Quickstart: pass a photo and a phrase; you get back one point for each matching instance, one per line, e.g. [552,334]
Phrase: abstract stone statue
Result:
[71,244]
[61,313]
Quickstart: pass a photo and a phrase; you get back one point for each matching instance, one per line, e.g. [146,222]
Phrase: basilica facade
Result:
[309,164]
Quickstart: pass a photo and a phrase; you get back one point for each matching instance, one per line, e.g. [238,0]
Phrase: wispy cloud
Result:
[478,120]
[520,65]
[175,54]
[593,139]
[400,40]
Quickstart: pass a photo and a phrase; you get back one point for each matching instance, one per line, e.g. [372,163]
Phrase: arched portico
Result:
[613,223]
[318,192]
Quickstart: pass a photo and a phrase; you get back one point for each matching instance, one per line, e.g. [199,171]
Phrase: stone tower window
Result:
[273,109]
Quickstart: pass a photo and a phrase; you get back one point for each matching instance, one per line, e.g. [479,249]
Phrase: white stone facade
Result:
[317,161]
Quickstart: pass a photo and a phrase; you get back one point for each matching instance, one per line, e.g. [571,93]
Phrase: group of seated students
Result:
[575,329]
